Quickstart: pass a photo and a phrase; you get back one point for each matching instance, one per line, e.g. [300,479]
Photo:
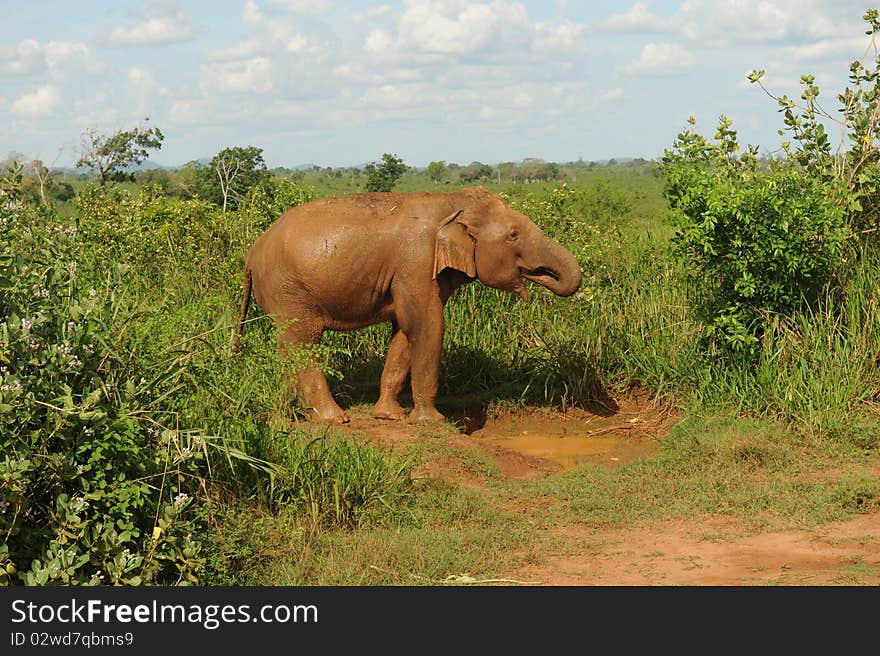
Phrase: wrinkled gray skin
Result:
[349,262]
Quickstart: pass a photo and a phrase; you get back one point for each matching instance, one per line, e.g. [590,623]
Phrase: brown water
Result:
[609,442]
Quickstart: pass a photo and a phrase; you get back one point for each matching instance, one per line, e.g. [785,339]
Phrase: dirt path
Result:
[674,553]
[714,551]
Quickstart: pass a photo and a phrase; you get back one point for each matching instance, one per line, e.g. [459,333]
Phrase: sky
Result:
[338,83]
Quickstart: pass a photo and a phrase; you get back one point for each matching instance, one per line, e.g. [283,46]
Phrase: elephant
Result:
[347,262]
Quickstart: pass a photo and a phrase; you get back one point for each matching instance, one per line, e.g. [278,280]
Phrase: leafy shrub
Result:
[756,240]
[764,239]
[154,234]
[93,488]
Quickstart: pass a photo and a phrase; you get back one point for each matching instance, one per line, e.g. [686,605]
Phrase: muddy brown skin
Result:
[352,261]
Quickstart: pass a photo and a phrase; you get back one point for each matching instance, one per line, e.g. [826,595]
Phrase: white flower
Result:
[180,499]
[14,386]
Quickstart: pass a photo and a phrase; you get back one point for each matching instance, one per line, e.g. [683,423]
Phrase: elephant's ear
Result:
[455,247]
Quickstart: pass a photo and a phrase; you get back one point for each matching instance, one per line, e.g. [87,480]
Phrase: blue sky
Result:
[338,83]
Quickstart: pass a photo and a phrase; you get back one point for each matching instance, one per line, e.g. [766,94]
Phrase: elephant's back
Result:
[362,208]
[342,234]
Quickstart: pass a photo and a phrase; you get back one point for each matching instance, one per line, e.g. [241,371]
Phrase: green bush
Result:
[765,238]
[93,488]
[756,241]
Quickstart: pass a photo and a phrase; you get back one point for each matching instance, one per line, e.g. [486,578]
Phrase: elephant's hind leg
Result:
[397,364]
[311,384]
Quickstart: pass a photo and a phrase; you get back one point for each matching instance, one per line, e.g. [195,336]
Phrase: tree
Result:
[159,177]
[508,170]
[475,171]
[43,176]
[436,170]
[62,191]
[109,156]
[384,176]
[232,173]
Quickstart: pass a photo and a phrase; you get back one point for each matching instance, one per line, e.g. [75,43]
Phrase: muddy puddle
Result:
[605,441]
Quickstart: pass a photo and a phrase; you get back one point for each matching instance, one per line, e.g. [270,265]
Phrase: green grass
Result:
[718,465]
[445,532]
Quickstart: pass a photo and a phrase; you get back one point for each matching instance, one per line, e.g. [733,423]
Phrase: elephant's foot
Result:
[426,415]
[330,415]
[389,410]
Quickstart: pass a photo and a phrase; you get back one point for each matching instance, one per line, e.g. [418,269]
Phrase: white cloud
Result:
[190,110]
[59,53]
[396,96]
[31,57]
[612,95]
[378,43]
[162,23]
[302,6]
[564,37]
[657,59]
[247,76]
[41,102]
[244,50]
[848,47]
[300,44]
[140,77]
[145,94]
[429,32]
[251,14]
[284,27]
[24,59]
[447,28]
[377,12]
[725,22]
[638,19]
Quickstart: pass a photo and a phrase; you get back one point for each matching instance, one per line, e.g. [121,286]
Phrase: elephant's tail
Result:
[246,299]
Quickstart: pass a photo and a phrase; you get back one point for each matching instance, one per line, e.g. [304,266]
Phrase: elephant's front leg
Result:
[397,366]
[421,319]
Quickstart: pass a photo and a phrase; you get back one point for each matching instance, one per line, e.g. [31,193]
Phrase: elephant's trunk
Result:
[557,270]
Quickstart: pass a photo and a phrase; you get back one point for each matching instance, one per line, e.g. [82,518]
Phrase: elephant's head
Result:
[486,239]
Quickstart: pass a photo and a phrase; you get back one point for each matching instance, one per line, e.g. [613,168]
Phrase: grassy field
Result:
[788,440]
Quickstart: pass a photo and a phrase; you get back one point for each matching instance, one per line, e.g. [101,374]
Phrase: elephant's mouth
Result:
[542,275]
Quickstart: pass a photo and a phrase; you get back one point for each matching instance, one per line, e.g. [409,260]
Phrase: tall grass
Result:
[817,370]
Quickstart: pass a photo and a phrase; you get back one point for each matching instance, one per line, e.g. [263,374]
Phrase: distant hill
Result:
[151,165]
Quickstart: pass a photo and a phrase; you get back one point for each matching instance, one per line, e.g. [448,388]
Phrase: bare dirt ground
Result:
[718,551]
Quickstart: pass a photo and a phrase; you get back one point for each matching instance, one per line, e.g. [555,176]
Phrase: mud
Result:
[570,442]
[530,442]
